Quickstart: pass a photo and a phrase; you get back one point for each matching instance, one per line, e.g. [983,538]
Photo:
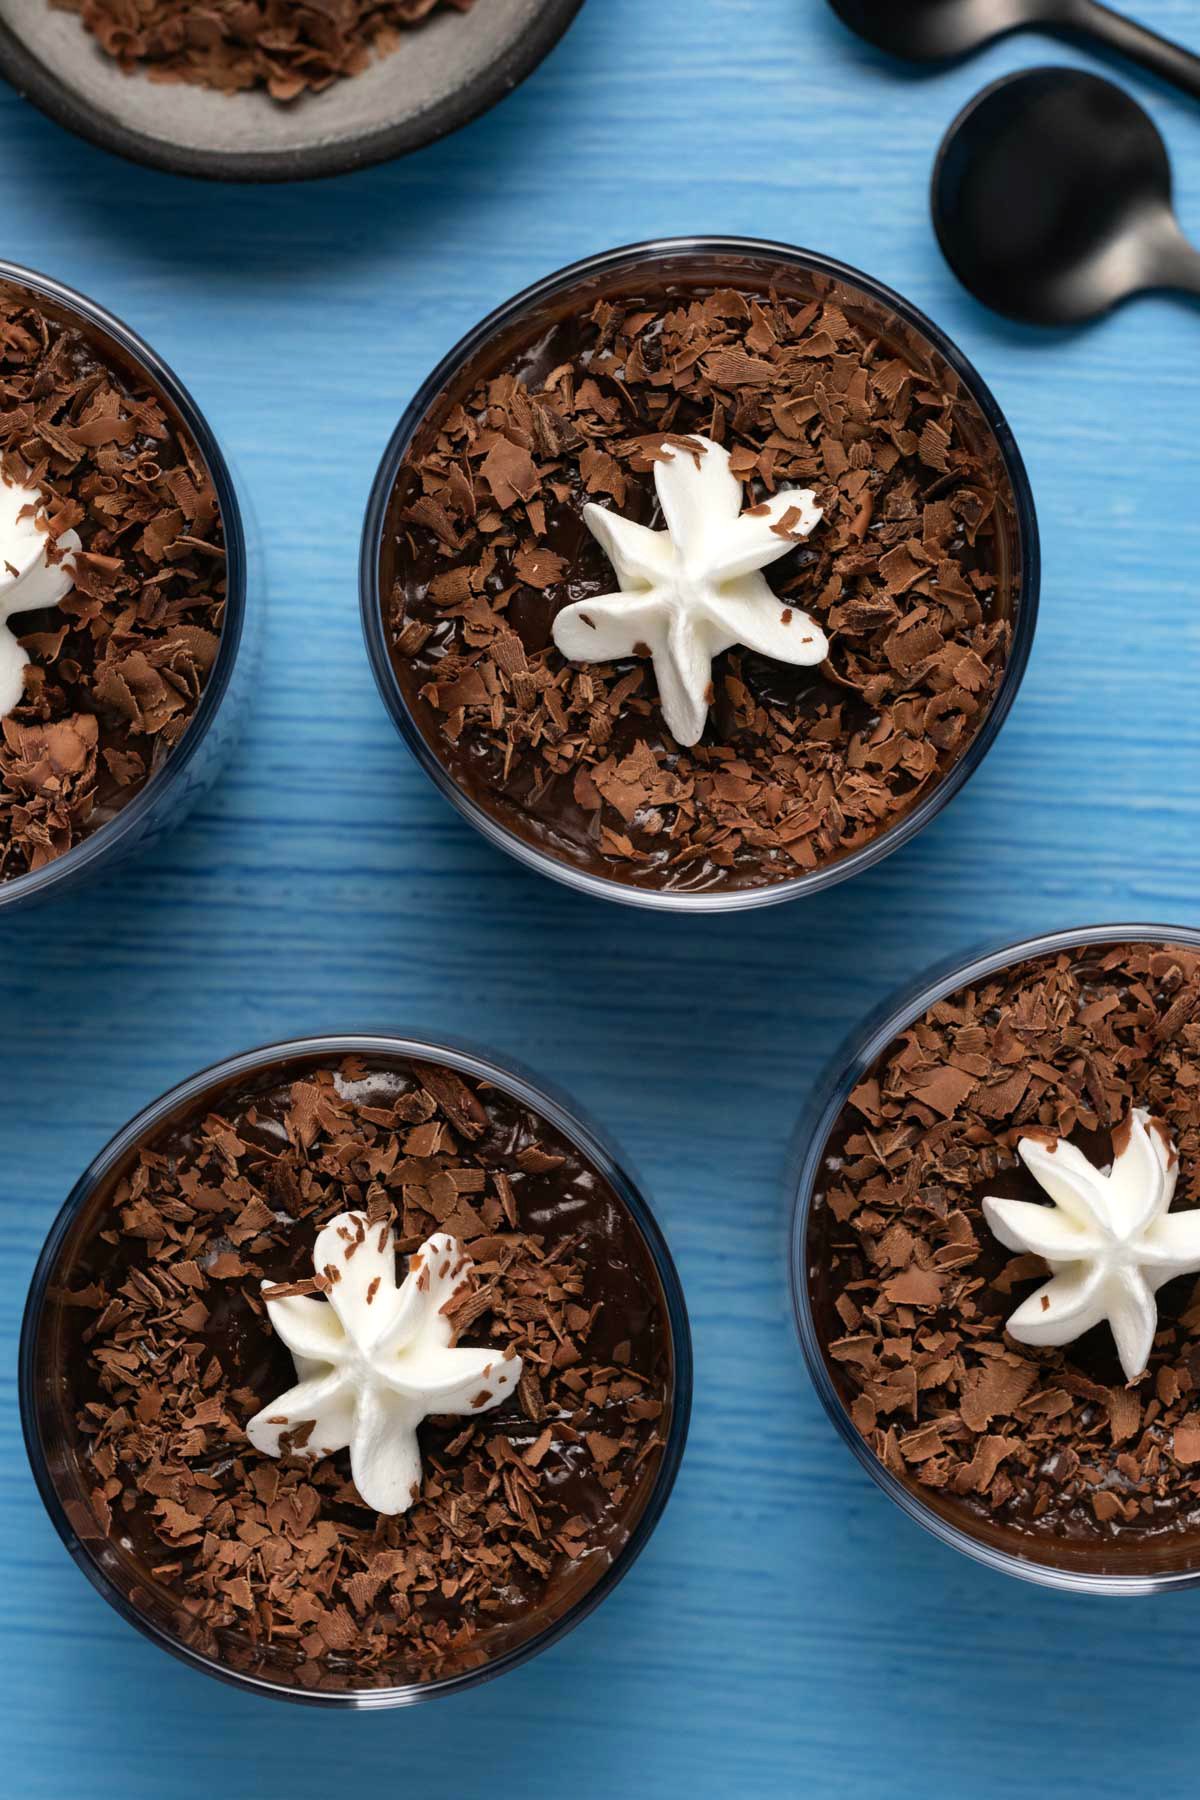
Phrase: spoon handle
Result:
[1177,262]
[1170,62]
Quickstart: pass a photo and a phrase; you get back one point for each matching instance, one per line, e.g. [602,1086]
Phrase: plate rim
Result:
[33,81]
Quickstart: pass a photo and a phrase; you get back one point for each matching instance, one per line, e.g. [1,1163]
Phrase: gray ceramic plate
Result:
[444,75]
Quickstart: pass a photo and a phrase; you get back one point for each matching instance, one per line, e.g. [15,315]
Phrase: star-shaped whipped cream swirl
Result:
[28,580]
[374,1359]
[694,590]
[1110,1239]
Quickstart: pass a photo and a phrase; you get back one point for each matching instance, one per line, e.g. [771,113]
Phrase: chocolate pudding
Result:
[1049,1453]
[913,572]
[155,1344]
[117,666]
[287,48]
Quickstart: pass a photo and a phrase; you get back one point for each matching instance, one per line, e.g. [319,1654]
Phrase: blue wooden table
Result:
[787,1631]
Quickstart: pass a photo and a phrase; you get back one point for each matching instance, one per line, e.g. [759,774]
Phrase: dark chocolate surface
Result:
[118,667]
[910,1290]
[912,574]
[522,1509]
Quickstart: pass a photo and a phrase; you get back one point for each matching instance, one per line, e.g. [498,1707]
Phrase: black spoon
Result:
[941,30]
[1052,199]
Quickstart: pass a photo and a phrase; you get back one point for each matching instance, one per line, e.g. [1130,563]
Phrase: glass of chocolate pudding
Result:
[1024,1127]
[152,1342]
[123,696]
[803,757]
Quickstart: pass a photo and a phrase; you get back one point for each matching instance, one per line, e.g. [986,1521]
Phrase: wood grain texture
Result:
[787,1631]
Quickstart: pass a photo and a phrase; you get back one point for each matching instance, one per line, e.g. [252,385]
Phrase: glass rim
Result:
[1027,578]
[105,843]
[565,1117]
[858,1053]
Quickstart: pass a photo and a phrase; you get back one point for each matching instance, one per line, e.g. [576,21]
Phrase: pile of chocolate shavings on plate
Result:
[289,47]
[281,1556]
[117,668]
[917,1290]
[797,767]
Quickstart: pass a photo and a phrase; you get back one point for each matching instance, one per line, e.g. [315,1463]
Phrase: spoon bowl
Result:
[1052,199]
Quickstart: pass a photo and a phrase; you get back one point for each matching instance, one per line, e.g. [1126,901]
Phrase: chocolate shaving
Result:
[286,47]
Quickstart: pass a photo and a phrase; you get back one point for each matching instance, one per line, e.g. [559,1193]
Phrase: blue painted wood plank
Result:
[786,1631]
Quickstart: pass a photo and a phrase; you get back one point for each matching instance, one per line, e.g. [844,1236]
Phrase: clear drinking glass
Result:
[1052,1564]
[196,760]
[577,287]
[44,1395]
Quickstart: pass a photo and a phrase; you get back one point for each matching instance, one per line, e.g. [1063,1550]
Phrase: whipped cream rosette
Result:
[29,579]
[1110,1238]
[696,589]
[375,1358]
